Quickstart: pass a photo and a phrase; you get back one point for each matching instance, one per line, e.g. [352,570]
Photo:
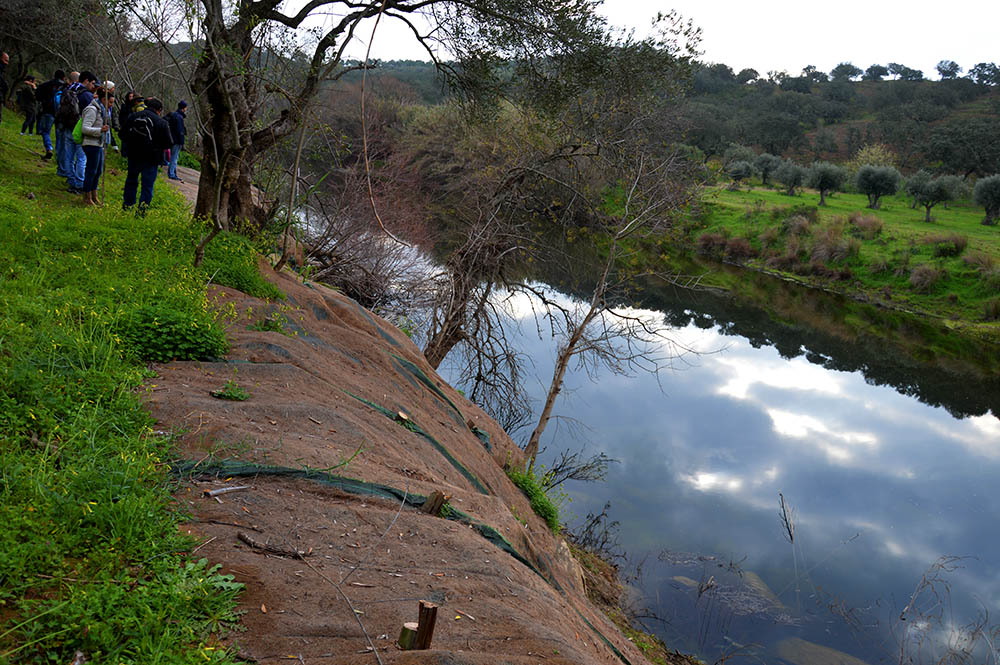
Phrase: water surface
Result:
[881,486]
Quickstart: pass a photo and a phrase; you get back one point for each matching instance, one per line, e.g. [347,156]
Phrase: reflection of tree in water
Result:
[828,330]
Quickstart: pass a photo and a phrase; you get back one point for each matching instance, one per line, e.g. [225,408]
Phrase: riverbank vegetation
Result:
[93,557]
[946,268]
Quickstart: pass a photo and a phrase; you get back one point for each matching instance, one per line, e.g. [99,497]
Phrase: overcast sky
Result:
[788,34]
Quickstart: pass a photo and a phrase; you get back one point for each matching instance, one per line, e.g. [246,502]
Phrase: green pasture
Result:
[946,268]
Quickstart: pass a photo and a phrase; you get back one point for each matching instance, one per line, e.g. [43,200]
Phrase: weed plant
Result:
[92,558]
[533,488]
[232,391]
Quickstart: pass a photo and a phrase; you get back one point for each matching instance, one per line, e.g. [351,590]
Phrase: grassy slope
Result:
[880,267]
[91,556]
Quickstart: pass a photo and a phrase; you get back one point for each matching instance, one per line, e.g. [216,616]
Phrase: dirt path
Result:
[345,432]
[189,186]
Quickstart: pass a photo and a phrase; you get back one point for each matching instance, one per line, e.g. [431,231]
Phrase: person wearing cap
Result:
[146,136]
[176,122]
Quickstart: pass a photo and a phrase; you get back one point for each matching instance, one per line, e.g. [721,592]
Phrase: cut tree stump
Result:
[417,635]
[434,503]
[408,636]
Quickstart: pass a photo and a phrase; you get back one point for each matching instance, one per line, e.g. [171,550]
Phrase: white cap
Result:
[109,85]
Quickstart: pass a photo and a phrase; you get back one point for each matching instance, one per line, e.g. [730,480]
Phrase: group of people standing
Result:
[87,120]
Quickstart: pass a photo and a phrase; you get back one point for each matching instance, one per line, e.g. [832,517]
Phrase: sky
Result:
[787,35]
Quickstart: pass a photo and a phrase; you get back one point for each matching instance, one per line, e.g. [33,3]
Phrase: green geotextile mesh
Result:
[426,380]
[402,364]
[416,429]
[236,468]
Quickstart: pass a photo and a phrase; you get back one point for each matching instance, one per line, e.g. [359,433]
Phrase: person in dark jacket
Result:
[46,95]
[27,101]
[178,131]
[146,136]
[132,103]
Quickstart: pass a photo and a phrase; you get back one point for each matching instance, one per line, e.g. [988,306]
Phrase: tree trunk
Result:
[452,328]
[822,197]
[927,216]
[555,387]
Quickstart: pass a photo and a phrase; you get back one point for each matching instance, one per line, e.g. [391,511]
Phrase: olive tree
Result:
[766,164]
[826,178]
[876,182]
[931,191]
[791,175]
[915,184]
[987,194]
[739,170]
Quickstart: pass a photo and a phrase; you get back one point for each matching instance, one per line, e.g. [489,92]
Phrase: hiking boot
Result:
[47,155]
[74,190]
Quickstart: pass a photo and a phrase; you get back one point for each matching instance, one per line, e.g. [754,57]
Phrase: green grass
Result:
[834,253]
[541,503]
[91,554]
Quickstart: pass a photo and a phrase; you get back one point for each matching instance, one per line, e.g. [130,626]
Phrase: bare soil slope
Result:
[341,390]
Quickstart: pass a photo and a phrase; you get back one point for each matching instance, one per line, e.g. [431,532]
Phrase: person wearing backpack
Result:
[95,125]
[146,135]
[76,98]
[46,95]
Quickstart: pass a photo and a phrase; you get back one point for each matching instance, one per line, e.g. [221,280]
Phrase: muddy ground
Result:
[331,569]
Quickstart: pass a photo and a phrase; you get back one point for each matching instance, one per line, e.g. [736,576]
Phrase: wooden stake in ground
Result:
[434,503]
[425,625]
[418,635]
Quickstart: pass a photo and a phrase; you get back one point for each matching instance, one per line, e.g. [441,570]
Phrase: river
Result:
[887,461]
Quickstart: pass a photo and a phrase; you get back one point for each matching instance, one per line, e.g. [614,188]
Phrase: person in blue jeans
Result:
[96,128]
[176,122]
[46,94]
[76,164]
[146,136]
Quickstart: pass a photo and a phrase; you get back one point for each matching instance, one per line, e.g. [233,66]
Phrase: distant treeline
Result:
[951,125]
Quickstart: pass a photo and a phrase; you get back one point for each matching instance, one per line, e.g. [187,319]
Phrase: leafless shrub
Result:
[575,465]
[738,248]
[865,226]
[598,535]
[924,277]
[981,261]
[796,225]
[711,244]
[926,630]
[830,244]
[952,244]
[769,237]
[879,265]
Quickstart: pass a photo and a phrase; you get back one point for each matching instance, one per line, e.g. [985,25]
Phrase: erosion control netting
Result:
[416,429]
[236,468]
[404,365]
